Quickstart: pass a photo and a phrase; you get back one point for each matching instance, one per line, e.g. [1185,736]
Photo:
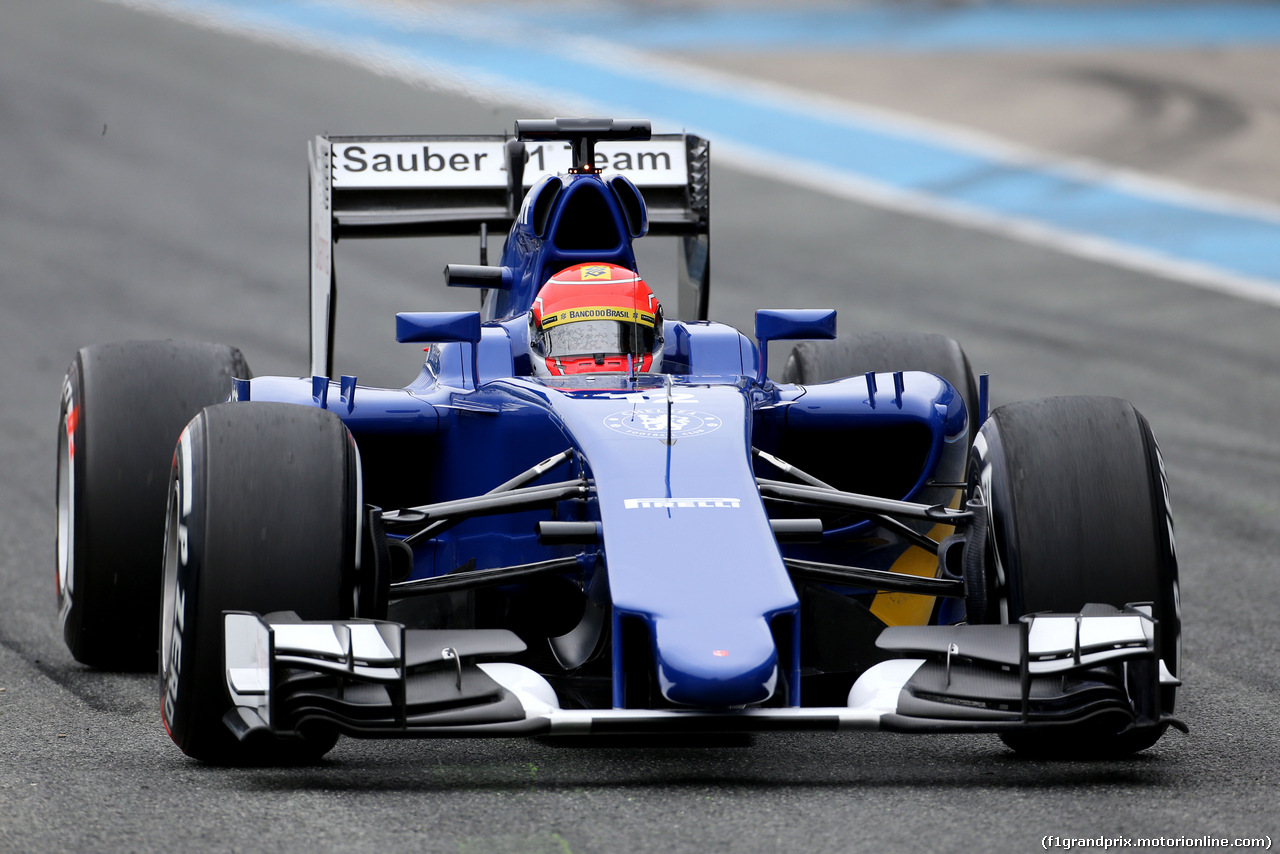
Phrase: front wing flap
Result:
[378,679]
[1046,670]
[368,677]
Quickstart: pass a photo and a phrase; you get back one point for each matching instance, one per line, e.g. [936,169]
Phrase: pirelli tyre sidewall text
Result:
[177,612]
[69,432]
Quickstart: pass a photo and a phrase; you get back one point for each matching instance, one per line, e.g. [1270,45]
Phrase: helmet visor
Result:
[589,337]
[589,330]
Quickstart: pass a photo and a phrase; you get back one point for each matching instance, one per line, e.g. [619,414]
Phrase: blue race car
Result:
[586,517]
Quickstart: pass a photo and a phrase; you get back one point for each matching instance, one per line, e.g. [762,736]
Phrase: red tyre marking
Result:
[73,419]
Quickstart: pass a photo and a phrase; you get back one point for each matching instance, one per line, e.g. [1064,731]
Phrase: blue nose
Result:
[715,663]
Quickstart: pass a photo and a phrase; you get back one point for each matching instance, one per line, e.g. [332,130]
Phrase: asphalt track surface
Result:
[151,185]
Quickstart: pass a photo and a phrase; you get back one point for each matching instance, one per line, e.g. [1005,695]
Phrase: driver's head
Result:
[595,317]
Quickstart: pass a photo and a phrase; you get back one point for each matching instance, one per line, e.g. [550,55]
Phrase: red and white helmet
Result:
[595,317]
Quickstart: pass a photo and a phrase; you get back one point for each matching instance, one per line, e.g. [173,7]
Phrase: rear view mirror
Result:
[437,327]
[791,324]
[442,327]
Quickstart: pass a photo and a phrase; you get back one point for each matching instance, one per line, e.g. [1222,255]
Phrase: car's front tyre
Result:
[263,516]
[1079,510]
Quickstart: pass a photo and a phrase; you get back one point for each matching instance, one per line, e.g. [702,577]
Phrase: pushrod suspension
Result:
[435,518]
[885,521]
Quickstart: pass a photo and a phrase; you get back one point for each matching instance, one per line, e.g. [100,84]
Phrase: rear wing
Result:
[414,186]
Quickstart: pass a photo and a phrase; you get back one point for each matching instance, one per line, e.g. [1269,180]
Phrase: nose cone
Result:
[716,663]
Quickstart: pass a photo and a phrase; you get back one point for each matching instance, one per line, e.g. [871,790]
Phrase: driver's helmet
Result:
[595,317]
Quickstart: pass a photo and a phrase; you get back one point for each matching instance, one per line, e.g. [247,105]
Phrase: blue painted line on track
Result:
[1238,244]
[907,27]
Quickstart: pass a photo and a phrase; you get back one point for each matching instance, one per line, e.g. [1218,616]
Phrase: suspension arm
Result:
[474,578]
[869,504]
[423,516]
[892,582]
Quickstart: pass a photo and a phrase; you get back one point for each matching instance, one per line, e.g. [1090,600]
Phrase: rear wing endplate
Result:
[428,185]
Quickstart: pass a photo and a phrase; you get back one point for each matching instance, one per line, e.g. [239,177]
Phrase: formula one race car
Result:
[584,517]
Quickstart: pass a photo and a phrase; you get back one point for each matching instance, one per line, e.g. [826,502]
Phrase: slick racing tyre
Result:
[1080,514]
[820,361]
[263,516]
[123,406]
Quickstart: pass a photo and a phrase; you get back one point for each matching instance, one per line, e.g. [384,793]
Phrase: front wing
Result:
[377,679]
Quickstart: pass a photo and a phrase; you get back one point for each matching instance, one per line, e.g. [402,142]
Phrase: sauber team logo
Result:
[651,422]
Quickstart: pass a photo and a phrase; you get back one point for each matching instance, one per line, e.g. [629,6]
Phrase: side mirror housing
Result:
[437,327]
[442,327]
[791,324]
